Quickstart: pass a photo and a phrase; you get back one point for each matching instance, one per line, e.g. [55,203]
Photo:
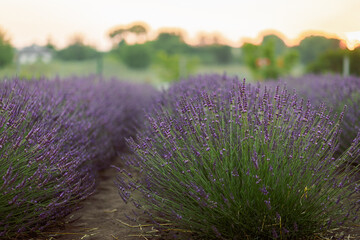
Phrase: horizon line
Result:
[345,42]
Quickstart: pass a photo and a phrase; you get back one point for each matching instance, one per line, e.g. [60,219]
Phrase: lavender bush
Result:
[193,86]
[242,162]
[119,111]
[336,92]
[115,107]
[42,177]
[55,135]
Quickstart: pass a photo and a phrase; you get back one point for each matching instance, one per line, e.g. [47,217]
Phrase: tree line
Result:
[272,58]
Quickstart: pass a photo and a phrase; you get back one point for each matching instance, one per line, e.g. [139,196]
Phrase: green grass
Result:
[112,67]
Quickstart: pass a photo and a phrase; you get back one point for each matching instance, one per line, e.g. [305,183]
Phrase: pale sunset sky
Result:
[35,21]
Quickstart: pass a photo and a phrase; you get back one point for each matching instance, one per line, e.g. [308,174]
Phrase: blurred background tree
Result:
[50,45]
[170,43]
[6,50]
[211,51]
[313,46]
[134,32]
[168,56]
[140,32]
[118,36]
[279,45]
[173,67]
[221,54]
[77,50]
[137,56]
[331,61]
[269,60]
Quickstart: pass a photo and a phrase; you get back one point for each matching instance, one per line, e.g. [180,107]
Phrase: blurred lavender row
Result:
[54,136]
[336,92]
[116,109]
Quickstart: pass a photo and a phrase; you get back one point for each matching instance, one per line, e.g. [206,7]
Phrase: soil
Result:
[102,218]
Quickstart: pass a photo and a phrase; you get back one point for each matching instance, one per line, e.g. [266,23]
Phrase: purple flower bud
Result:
[268,204]
[264,190]
[295,227]
[274,234]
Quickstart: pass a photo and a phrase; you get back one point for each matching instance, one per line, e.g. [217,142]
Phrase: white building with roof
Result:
[34,53]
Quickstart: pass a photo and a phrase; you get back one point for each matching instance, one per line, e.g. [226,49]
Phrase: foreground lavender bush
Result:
[55,135]
[246,163]
[43,175]
[336,92]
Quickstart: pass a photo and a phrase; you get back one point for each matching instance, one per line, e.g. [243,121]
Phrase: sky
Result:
[36,21]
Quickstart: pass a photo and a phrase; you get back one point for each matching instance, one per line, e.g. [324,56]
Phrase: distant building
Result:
[34,53]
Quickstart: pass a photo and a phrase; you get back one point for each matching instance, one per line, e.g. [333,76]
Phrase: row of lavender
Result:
[228,160]
[54,137]
[335,92]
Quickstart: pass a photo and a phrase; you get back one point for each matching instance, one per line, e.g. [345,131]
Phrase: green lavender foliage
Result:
[336,92]
[242,162]
[42,178]
[55,135]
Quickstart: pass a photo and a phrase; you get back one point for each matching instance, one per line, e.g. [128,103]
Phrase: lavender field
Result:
[56,134]
[211,157]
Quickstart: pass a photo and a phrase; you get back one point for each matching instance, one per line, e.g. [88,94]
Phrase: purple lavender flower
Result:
[38,136]
[274,234]
[264,190]
[268,203]
[54,136]
[336,92]
[281,147]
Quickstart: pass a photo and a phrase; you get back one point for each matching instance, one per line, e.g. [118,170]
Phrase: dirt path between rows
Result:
[101,216]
